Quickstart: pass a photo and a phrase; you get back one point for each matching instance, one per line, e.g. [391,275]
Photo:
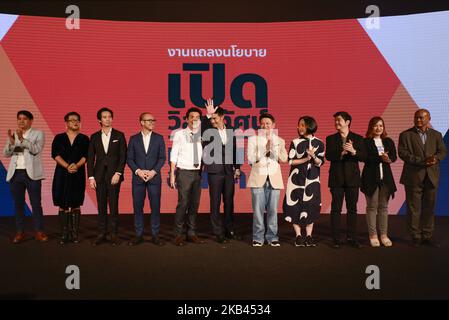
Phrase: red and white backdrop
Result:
[290,69]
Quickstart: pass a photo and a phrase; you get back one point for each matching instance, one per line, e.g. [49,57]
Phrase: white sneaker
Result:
[275,243]
[257,243]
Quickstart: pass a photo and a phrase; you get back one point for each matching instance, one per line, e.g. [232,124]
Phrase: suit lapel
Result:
[112,133]
[151,144]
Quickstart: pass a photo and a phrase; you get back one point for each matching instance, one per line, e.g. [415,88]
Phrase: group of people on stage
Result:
[206,144]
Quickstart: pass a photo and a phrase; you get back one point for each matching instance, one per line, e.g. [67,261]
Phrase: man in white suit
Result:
[25,173]
[265,150]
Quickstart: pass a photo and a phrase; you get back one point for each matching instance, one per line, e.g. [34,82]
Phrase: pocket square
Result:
[113,141]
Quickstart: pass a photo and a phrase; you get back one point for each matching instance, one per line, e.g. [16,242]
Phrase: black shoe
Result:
[416,242]
[136,241]
[232,236]
[114,240]
[430,243]
[157,241]
[310,242]
[99,240]
[354,243]
[221,239]
[300,241]
[336,244]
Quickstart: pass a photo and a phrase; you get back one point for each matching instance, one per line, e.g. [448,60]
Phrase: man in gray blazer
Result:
[25,172]
[421,148]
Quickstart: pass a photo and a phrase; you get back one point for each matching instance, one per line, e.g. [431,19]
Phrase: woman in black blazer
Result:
[377,180]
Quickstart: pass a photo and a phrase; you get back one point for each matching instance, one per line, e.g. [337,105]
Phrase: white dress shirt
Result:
[20,164]
[182,150]
[223,135]
[146,140]
[105,138]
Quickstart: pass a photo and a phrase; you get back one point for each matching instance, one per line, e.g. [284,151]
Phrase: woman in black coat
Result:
[377,180]
[69,150]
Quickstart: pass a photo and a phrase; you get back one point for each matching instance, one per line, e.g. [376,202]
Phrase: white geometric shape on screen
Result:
[417,49]
[6,22]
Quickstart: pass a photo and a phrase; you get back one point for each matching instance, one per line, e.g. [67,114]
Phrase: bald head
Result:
[422,119]
[147,121]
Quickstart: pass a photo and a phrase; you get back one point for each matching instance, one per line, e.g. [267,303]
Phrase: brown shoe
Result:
[195,239]
[41,237]
[18,238]
[179,241]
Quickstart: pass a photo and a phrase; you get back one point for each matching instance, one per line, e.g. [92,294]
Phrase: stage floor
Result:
[236,270]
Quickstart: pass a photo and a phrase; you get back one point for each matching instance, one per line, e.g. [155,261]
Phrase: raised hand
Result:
[210,108]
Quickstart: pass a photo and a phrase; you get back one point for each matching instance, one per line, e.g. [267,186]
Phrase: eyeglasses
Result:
[149,120]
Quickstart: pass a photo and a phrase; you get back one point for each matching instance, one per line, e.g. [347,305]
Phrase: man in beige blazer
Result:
[265,150]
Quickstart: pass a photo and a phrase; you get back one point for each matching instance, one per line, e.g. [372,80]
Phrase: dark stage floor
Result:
[213,271]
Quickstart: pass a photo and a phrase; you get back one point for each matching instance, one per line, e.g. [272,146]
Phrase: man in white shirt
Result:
[146,157]
[106,161]
[185,157]
[25,173]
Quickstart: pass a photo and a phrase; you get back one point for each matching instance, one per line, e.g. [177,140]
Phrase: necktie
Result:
[196,162]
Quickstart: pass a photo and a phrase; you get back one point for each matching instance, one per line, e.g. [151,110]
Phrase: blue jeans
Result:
[265,198]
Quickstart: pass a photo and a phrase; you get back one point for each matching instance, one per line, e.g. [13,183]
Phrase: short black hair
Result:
[25,113]
[311,125]
[72,113]
[266,115]
[104,109]
[219,111]
[193,109]
[346,116]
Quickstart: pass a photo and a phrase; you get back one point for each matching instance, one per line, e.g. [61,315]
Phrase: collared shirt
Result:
[20,164]
[422,135]
[223,136]
[182,150]
[146,140]
[105,138]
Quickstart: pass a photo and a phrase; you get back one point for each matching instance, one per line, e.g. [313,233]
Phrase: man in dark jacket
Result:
[344,149]
[421,148]
[219,161]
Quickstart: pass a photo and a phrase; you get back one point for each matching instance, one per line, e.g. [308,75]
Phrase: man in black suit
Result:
[105,167]
[145,157]
[421,148]
[219,161]
[344,149]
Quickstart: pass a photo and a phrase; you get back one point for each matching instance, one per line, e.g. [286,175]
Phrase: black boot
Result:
[69,225]
[63,221]
[76,216]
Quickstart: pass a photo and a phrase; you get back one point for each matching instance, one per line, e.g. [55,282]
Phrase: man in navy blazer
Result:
[146,157]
